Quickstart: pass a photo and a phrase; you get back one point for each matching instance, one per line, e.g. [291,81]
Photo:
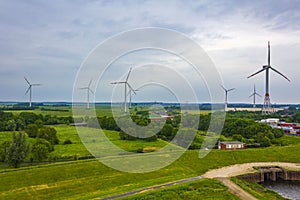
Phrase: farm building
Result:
[231,145]
[154,117]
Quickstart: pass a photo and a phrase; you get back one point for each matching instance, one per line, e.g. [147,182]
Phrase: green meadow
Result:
[203,189]
[88,179]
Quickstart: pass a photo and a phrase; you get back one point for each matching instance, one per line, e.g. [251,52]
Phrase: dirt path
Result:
[238,169]
[236,190]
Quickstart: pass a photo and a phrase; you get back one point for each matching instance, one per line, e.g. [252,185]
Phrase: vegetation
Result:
[257,190]
[18,150]
[41,149]
[201,189]
[91,179]
[86,179]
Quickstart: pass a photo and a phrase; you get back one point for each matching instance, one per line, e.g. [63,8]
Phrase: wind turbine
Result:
[226,95]
[30,89]
[88,93]
[131,93]
[253,94]
[125,88]
[267,108]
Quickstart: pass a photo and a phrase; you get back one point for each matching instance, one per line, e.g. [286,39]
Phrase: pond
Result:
[287,189]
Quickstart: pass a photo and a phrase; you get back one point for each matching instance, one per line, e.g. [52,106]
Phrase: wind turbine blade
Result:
[258,94]
[90,83]
[91,91]
[256,73]
[83,88]
[26,80]
[230,89]
[280,73]
[27,90]
[223,87]
[251,95]
[119,82]
[131,88]
[128,74]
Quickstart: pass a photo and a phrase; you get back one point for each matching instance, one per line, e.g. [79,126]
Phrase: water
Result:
[287,189]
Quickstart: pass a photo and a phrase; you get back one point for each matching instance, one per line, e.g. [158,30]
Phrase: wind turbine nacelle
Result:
[265,66]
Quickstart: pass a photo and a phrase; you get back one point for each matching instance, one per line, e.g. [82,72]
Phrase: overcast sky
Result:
[47,41]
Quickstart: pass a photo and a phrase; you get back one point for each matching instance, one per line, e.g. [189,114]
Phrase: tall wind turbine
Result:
[253,95]
[30,90]
[226,95]
[267,108]
[88,89]
[125,88]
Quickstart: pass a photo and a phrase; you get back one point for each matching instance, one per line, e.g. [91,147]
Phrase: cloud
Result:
[49,40]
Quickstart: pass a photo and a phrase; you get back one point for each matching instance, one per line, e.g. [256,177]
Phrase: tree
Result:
[32,130]
[167,131]
[4,150]
[278,132]
[40,149]
[39,123]
[18,150]
[11,125]
[29,117]
[49,134]
[263,140]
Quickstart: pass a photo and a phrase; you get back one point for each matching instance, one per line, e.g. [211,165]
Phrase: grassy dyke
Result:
[91,179]
[257,190]
[204,189]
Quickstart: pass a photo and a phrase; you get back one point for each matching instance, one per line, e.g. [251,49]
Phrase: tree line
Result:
[17,150]
[18,122]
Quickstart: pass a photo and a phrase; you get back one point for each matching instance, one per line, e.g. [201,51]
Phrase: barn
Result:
[231,145]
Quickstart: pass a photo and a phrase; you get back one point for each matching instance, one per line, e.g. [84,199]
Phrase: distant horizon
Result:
[141,102]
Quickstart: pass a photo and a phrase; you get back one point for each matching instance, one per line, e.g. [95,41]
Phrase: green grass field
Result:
[201,189]
[65,132]
[90,179]
[66,111]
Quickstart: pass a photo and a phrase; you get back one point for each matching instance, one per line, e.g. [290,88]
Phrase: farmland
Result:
[69,177]
[90,179]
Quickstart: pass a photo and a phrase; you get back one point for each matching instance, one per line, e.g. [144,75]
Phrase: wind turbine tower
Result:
[131,93]
[88,89]
[125,88]
[226,95]
[253,95]
[30,90]
[267,107]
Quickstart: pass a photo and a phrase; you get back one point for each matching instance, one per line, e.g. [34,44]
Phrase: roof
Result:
[232,142]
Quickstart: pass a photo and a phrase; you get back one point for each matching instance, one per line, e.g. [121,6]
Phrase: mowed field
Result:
[89,179]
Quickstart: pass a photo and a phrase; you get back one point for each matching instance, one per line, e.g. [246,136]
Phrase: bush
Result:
[40,150]
[49,134]
[32,130]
